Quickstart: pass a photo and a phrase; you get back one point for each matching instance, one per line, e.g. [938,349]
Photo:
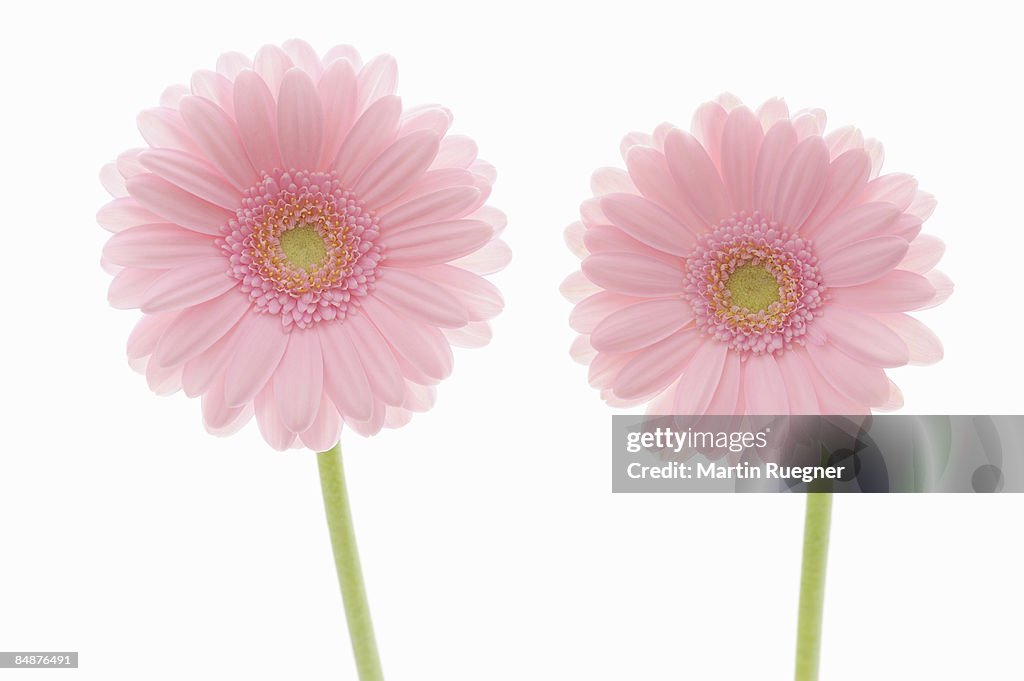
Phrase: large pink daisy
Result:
[757,265]
[301,246]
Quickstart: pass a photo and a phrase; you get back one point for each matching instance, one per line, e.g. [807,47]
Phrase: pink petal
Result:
[177,205]
[271,63]
[444,204]
[640,325]
[779,143]
[492,257]
[216,413]
[164,127]
[300,122]
[261,342]
[215,87]
[657,366]
[345,380]
[215,133]
[576,287]
[800,391]
[899,189]
[325,430]
[158,246]
[209,365]
[741,141]
[419,298]
[701,378]
[635,139]
[649,171]
[372,133]
[923,205]
[271,426]
[190,284]
[924,253]
[696,177]
[456,151]
[581,351]
[146,334]
[861,222]
[173,94]
[863,338]
[611,180]
[846,179]
[633,274]
[897,291]
[430,117]
[877,154]
[128,286]
[480,299]
[606,366]
[192,175]
[303,56]
[112,180]
[648,223]
[923,345]
[392,173]
[861,383]
[435,243]
[230,64]
[199,327]
[943,286]
[377,79]
[472,335]
[338,93]
[256,115]
[707,125]
[161,380]
[432,181]
[764,388]
[801,183]
[771,112]
[726,398]
[843,140]
[605,238]
[590,312]
[345,52]
[382,369]
[862,261]
[573,236]
[830,401]
[422,346]
[299,380]
[124,213]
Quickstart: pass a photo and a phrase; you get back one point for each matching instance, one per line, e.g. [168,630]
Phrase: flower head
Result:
[757,265]
[302,247]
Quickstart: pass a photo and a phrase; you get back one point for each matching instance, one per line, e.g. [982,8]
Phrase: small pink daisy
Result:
[754,266]
[302,247]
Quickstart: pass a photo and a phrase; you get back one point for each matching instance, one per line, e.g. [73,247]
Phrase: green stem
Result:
[812,584]
[346,559]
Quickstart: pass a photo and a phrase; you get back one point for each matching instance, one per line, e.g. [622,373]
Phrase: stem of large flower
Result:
[817,523]
[346,559]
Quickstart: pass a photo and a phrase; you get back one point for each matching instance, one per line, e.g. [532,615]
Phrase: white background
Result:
[493,547]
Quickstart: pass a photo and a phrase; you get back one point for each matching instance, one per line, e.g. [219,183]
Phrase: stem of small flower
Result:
[817,523]
[346,559]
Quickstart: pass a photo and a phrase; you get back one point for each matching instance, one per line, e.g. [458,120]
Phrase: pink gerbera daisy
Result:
[301,246]
[757,265]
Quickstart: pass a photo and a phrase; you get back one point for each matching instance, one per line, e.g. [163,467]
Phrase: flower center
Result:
[303,247]
[753,285]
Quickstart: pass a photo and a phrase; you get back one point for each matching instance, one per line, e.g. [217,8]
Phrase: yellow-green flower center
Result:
[303,246]
[753,287]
